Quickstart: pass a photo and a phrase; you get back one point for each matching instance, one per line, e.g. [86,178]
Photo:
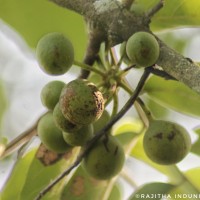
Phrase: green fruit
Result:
[102,121]
[166,142]
[61,122]
[55,53]
[50,135]
[81,102]
[123,53]
[105,159]
[142,48]
[79,137]
[50,94]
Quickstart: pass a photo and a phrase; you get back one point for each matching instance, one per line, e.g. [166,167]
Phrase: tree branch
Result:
[118,24]
[78,6]
[179,67]
[22,139]
[96,37]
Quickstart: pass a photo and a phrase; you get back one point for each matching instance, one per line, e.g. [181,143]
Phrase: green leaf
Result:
[34,18]
[154,191]
[128,124]
[127,129]
[174,95]
[17,178]
[3,102]
[157,110]
[185,190]
[115,193]
[82,187]
[39,176]
[176,13]
[196,146]
[29,176]
[193,175]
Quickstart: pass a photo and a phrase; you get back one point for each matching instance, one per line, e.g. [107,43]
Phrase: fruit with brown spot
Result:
[166,142]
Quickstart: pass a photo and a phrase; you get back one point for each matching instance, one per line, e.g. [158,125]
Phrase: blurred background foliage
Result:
[22,23]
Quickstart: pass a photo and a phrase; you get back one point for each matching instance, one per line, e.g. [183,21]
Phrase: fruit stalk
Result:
[179,179]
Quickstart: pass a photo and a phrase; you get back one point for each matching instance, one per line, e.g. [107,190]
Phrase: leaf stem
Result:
[89,68]
[180,179]
[115,105]
[139,104]
[100,133]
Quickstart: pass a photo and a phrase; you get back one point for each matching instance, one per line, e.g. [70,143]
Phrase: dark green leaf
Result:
[150,191]
[196,146]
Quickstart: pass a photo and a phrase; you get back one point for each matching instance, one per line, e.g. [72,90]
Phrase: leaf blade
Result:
[171,94]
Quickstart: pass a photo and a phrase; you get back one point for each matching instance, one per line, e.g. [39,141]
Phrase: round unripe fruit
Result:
[166,142]
[123,53]
[61,122]
[102,121]
[79,137]
[55,54]
[143,49]
[50,94]
[81,102]
[50,135]
[105,159]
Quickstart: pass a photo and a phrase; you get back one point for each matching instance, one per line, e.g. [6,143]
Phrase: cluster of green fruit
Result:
[76,112]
